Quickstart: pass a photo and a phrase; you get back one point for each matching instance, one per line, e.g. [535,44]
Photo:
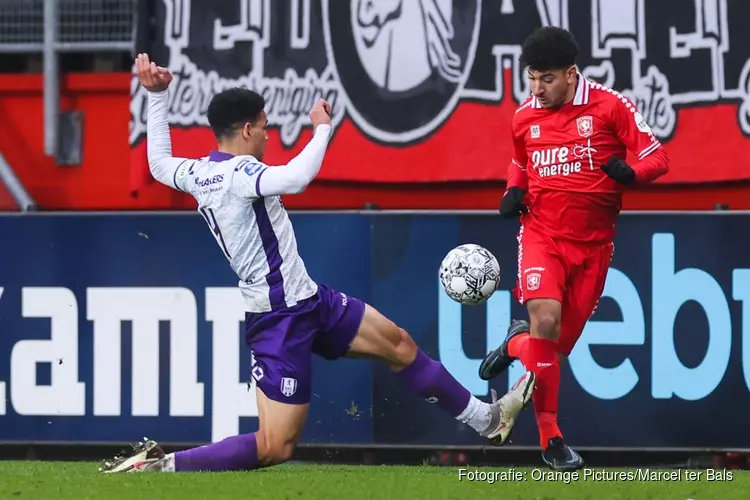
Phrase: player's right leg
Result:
[280,428]
[281,343]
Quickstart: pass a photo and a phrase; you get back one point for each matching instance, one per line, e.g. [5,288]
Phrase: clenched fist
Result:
[320,114]
[153,78]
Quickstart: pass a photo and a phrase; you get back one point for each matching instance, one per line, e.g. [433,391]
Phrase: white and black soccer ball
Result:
[470,274]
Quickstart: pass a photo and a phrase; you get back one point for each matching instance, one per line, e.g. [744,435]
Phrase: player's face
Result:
[255,135]
[552,87]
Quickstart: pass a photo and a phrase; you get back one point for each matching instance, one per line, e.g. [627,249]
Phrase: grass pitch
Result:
[80,481]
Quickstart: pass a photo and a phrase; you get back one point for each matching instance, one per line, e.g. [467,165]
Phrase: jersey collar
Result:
[583,89]
[219,156]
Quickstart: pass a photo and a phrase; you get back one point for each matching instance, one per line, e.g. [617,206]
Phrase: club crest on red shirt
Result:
[585,126]
[533,281]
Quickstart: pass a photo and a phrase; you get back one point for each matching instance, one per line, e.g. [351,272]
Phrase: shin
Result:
[280,429]
[540,355]
[379,338]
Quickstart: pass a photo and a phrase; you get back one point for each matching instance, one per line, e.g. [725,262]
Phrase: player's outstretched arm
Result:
[253,179]
[295,176]
[163,166]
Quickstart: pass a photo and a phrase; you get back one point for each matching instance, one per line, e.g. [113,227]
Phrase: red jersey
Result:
[558,154]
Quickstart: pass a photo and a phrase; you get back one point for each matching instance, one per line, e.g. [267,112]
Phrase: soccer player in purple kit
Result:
[289,316]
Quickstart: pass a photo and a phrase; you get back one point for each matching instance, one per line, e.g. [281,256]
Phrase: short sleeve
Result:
[246,179]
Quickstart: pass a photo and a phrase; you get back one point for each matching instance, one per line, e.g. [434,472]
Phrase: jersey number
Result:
[208,215]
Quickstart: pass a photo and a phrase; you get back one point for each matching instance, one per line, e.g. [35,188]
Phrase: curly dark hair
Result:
[549,48]
[233,107]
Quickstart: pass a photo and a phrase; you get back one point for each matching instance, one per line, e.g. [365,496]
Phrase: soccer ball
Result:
[470,274]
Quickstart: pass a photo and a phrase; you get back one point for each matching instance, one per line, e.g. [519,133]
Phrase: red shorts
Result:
[572,273]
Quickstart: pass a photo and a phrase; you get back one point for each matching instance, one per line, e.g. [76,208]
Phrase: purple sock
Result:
[233,453]
[430,379]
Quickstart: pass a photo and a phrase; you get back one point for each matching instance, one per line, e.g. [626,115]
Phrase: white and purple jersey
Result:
[239,197]
[253,231]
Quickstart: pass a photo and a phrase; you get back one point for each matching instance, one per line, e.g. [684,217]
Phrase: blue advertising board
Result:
[128,325]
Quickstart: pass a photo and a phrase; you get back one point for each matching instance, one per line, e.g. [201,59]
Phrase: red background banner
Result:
[474,145]
[107,175]
[405,115]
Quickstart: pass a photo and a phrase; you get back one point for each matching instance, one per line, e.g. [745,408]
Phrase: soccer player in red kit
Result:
[570,139]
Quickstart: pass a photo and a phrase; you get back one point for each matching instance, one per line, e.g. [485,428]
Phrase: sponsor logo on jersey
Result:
[209,181]
[252,168]
[554,161]
[583,151]
[641,123]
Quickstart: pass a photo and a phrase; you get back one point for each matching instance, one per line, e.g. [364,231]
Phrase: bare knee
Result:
[399,349]
[545,315]
[380,338]
[404,351]
[547,326]
[274,451]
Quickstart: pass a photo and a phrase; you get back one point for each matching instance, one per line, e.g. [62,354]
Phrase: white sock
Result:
[477,415]
[168,463]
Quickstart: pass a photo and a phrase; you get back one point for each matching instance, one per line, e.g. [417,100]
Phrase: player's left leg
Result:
[586,289]
[356,330]
[380,338]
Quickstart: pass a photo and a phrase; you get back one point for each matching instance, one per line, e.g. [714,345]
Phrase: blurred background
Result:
[121,319]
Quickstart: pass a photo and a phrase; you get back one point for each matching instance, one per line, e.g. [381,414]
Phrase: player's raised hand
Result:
[153,78]
[320,114]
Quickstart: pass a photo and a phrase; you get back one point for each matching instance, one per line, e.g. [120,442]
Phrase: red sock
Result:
[517,345]
[540,357]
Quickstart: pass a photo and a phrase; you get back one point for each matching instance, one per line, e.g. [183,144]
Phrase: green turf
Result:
[80,481]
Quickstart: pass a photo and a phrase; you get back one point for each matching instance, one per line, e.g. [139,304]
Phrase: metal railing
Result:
[78,25]
[15,188]
[51,27]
